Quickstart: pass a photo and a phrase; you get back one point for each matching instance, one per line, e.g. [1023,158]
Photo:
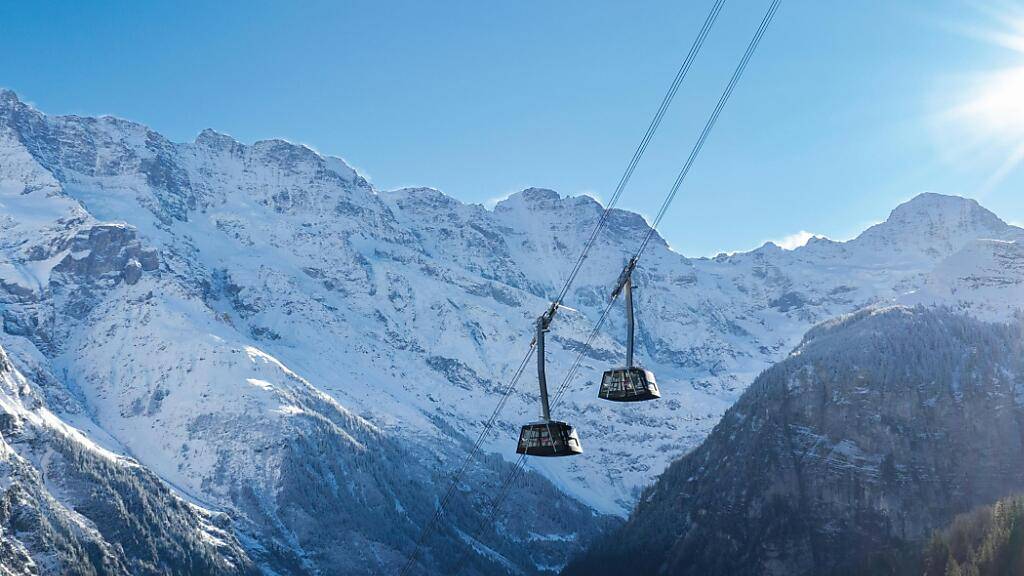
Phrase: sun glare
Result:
[986,110]
[996,105]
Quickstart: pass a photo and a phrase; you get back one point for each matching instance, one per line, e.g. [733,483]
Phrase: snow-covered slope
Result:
[985,278]
[203,306]
[68,506]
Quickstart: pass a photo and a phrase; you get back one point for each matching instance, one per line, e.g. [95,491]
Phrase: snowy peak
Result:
[421,197]
[576,212]
[11,105]
[942,212]
[539,195]
[287,155]
[934,226]
[8,98]
[530,199]
[217,141]
[536,199]
[12,109]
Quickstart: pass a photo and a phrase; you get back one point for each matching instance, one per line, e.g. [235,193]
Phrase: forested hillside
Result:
[844,458]
[986,542]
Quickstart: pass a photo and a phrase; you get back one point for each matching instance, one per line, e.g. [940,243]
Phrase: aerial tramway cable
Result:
[695,151]
[751,48]
[680,178]
[651,129]
[443,505]
[623,181]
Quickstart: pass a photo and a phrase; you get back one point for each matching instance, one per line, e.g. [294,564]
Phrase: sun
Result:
[987,108]
[996,104]
[994,112]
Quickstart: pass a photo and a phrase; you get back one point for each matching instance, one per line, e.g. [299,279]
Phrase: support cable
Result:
[620,187]
[695,151]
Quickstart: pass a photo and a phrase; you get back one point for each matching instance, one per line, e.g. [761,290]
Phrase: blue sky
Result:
[844,112]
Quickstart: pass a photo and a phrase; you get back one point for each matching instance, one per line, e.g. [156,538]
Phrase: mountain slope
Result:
[69,507]
[843,458]
[985,278]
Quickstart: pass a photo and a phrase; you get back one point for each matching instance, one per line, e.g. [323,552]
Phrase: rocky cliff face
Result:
[842,459]
[258,325]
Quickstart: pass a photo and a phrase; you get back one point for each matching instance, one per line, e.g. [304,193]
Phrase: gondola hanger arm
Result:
[544,320]
[624,276]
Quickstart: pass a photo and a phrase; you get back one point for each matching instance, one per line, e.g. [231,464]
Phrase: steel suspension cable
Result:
[684,68]
[695,151]
[453,486]
[736,75]
[495,506]
[520,463]
[620,187]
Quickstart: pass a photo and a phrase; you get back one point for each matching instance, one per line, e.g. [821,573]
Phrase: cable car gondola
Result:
[632,383]
[547,437]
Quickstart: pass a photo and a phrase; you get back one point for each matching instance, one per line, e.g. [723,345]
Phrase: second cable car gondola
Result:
[631,383]
[547,437]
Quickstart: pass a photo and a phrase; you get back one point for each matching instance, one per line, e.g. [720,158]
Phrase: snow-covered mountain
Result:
[158,355]
[257,324]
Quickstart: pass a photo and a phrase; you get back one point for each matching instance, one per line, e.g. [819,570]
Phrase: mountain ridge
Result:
[930,203]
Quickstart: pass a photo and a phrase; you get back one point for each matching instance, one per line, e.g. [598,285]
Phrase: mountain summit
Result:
[933,226]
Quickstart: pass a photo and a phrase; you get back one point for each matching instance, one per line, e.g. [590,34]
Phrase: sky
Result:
[846,110]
